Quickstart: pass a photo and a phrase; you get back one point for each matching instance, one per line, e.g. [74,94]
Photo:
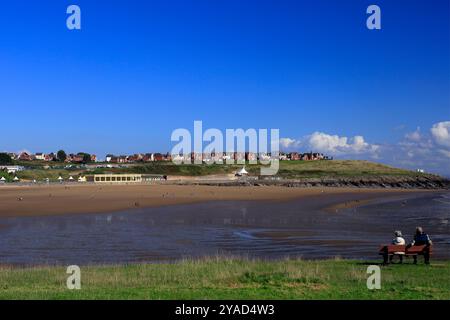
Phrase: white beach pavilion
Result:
[242,172]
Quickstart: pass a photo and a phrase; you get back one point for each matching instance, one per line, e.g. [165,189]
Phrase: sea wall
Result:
[400,182]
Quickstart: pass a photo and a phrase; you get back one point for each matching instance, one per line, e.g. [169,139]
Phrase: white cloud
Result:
[426,150]
[287,143]
[445,153]
[339,145]
[325,142]
[414,136]
[441,133]
[330,144]
[430,152]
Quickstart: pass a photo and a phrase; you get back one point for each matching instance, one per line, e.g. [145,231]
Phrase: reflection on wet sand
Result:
[297,228]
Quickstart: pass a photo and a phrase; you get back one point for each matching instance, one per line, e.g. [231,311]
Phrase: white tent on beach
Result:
[70,178]
[2,179]
[60,179]
[242,172]
[16,179]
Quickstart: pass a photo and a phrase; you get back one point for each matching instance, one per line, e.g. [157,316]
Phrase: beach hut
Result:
[242,172]
[81,179]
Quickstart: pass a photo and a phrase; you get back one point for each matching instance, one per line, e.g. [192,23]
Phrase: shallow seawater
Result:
[299,228]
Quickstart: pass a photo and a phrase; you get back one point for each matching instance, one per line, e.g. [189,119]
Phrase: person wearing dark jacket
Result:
[420,239]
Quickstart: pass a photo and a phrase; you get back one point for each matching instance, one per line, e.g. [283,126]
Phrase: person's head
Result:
[419,230]
[398,233]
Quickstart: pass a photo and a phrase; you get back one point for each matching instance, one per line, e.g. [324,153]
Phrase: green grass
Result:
[288,170]
[339,168]
[221,278]
[7,176]
[52,174]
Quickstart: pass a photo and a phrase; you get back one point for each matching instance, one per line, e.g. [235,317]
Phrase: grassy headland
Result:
[231,279]
[288,169]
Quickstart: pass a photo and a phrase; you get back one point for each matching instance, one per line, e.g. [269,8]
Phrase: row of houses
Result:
[250,156]
[308,156]
[70,158]
[192,157]
[138,157]
[213,157]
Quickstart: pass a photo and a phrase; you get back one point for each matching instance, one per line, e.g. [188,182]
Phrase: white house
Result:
[39,156]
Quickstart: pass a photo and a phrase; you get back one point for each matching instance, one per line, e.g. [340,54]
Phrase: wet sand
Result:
[41,200]
[301,227]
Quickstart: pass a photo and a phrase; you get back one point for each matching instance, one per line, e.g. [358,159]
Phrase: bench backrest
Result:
[393,248]
[418,249]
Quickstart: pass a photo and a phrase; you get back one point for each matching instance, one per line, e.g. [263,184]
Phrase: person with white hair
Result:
[398,241]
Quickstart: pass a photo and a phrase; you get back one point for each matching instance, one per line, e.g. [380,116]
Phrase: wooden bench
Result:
[389,251]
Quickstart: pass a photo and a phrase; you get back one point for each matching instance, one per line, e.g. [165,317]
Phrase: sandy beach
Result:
[111,224]
[70,199]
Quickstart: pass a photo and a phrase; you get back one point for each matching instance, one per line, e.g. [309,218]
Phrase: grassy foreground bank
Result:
[231,279]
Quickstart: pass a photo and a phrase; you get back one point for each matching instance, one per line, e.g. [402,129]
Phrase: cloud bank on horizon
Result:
[417,150]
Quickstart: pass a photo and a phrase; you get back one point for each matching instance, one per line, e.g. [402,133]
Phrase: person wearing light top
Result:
[399,241]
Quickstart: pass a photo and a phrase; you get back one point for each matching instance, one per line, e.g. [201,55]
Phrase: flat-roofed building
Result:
[153,177]
[117,178]
[12,169]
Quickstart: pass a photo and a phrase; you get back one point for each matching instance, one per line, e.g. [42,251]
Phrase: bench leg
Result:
[415,259]
[426,257]
[385,258]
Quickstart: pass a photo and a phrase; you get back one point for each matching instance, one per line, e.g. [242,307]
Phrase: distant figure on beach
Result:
[399,241]
[420,239]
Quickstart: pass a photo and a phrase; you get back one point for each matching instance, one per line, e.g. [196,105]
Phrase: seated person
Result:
[420,239]
[398,240]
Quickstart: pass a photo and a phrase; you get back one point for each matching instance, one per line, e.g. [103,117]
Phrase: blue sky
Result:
[140,69]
